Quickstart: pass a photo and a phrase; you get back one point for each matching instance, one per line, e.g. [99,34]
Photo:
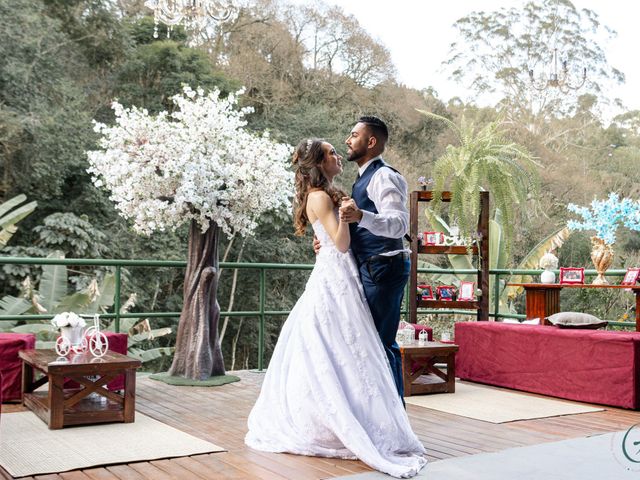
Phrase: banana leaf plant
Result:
[11,212]
[140,331]
[498,259]
[98,297]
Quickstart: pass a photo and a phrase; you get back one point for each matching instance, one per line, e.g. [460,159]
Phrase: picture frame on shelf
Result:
[446,293]
[466,292]
[426,292]
[631,277]
[571,276]
[433,238]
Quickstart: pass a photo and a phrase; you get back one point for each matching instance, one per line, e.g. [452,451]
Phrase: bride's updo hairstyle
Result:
[306,161]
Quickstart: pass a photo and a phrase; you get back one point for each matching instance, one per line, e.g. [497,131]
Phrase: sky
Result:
[418,34]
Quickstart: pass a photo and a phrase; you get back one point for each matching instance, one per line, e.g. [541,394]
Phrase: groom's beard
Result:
[355,155]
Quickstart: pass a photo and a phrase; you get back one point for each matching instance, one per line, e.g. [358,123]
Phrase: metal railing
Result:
[262,313]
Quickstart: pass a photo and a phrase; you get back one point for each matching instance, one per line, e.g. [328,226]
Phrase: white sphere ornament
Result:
[548,276]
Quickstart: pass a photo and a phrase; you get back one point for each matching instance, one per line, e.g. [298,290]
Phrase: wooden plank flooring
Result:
[219,415]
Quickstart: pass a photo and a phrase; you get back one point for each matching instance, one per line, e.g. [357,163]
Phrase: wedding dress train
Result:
[329,390]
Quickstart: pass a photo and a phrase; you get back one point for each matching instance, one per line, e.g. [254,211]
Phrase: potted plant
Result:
[71,327]
[484,160]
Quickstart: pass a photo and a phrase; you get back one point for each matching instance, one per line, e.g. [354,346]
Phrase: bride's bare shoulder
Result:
[319,202]
[318,197]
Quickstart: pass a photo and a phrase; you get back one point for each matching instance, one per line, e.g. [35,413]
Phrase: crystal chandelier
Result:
[195,15]
[557,79]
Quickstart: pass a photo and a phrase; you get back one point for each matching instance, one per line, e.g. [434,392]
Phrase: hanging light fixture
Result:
[559,79]
[195,15]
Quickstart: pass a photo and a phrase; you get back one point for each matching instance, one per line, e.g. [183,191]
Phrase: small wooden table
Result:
[543,299]
[59,407]
[420,375]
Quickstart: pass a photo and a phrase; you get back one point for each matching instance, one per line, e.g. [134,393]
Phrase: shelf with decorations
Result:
[446,249]
[480,252]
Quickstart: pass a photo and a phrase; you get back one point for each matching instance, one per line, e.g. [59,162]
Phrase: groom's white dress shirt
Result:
[388,191]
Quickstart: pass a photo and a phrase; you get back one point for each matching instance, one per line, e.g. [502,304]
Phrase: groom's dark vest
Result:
[365,244]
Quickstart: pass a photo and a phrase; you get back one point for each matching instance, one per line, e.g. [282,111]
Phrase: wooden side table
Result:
[59,407]
[420,375]
[543,299]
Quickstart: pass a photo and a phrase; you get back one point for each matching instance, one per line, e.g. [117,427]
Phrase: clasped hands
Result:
[349,211]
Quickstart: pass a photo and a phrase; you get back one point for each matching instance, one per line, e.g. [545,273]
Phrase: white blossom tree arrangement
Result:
[198,164]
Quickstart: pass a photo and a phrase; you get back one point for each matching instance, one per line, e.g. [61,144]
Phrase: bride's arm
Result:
[322,207]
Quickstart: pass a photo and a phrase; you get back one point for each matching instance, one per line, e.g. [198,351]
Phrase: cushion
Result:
[576,320]
[533,321]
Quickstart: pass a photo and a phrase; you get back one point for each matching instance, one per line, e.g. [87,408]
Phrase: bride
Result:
[329,390]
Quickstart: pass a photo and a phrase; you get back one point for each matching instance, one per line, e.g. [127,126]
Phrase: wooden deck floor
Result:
[219,415]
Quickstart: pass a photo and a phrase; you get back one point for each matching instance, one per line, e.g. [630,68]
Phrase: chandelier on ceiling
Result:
[559,79]
[195,15]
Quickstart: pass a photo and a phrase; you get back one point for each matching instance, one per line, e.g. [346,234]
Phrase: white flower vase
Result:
[548,276]
[73,334]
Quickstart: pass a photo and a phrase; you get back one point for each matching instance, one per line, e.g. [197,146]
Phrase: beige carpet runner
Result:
[497,405]
[28,447]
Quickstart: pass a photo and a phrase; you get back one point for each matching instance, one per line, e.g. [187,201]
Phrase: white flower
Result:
[67,319]
[549,260]
[196,163]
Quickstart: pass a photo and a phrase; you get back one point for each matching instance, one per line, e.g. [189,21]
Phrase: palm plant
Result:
[484,160]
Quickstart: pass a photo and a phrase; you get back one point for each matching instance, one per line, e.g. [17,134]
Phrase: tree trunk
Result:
[198,354]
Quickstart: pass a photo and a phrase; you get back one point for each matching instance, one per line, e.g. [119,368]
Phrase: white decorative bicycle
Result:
[78,340]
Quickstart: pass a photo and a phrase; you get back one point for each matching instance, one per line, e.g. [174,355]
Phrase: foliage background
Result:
[63,61]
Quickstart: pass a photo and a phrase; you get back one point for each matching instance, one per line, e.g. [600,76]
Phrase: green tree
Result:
[43,112]
[496,50]
[155,69]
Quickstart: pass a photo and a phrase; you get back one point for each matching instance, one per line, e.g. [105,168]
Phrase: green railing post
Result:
[261,329]
[496,296]
[116,303]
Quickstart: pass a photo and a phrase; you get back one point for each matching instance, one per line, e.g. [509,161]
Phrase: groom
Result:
[378,219]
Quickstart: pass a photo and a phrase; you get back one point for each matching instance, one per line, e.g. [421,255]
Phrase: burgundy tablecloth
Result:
[11,365]
[584,365]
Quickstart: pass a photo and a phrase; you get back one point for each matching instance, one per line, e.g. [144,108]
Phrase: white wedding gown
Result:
[329,390]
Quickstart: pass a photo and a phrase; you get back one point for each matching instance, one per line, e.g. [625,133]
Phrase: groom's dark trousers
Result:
[384,280]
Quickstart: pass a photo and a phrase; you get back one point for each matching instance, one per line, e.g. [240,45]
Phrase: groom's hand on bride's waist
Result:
[349,211]
[316,245]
